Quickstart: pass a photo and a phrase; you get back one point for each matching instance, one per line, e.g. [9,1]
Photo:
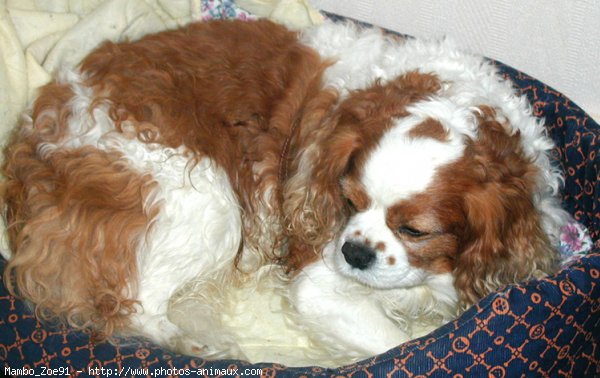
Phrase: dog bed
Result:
[547,327]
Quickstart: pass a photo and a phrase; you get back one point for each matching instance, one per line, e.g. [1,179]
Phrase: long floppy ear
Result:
[312,203]
[504,241]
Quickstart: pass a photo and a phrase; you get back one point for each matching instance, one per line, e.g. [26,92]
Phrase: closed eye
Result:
[412,232]
[351,205]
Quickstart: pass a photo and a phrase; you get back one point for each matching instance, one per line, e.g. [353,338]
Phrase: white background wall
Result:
[555,41]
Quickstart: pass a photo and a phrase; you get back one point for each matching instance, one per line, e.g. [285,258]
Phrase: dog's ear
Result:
[503,241]
[313,206]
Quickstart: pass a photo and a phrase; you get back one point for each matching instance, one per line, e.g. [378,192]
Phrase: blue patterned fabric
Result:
[546,328]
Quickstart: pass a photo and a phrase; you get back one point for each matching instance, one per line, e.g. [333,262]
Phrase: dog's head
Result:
[432,188]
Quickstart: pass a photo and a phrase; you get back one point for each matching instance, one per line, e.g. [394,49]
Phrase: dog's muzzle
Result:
[358,255]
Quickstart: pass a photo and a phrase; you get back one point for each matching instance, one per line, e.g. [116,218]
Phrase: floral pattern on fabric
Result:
[575,241]
[217,9]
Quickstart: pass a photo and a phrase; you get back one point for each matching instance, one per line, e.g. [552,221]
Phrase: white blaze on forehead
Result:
[401,166]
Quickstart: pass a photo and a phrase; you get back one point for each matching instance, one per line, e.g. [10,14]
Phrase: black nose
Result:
[358,255]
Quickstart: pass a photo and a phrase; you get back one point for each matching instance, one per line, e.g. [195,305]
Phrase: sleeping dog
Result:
[375,185]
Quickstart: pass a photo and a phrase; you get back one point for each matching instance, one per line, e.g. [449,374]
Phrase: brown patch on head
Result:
[430,128]
[435,249]
[436,255]
[380,246]
[391,260]
[488,232]
[353,191]
[367,114]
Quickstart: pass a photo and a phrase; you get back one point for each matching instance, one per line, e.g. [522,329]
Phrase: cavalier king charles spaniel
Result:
[376,185]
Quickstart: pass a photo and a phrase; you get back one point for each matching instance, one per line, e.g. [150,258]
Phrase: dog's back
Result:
[124,180]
